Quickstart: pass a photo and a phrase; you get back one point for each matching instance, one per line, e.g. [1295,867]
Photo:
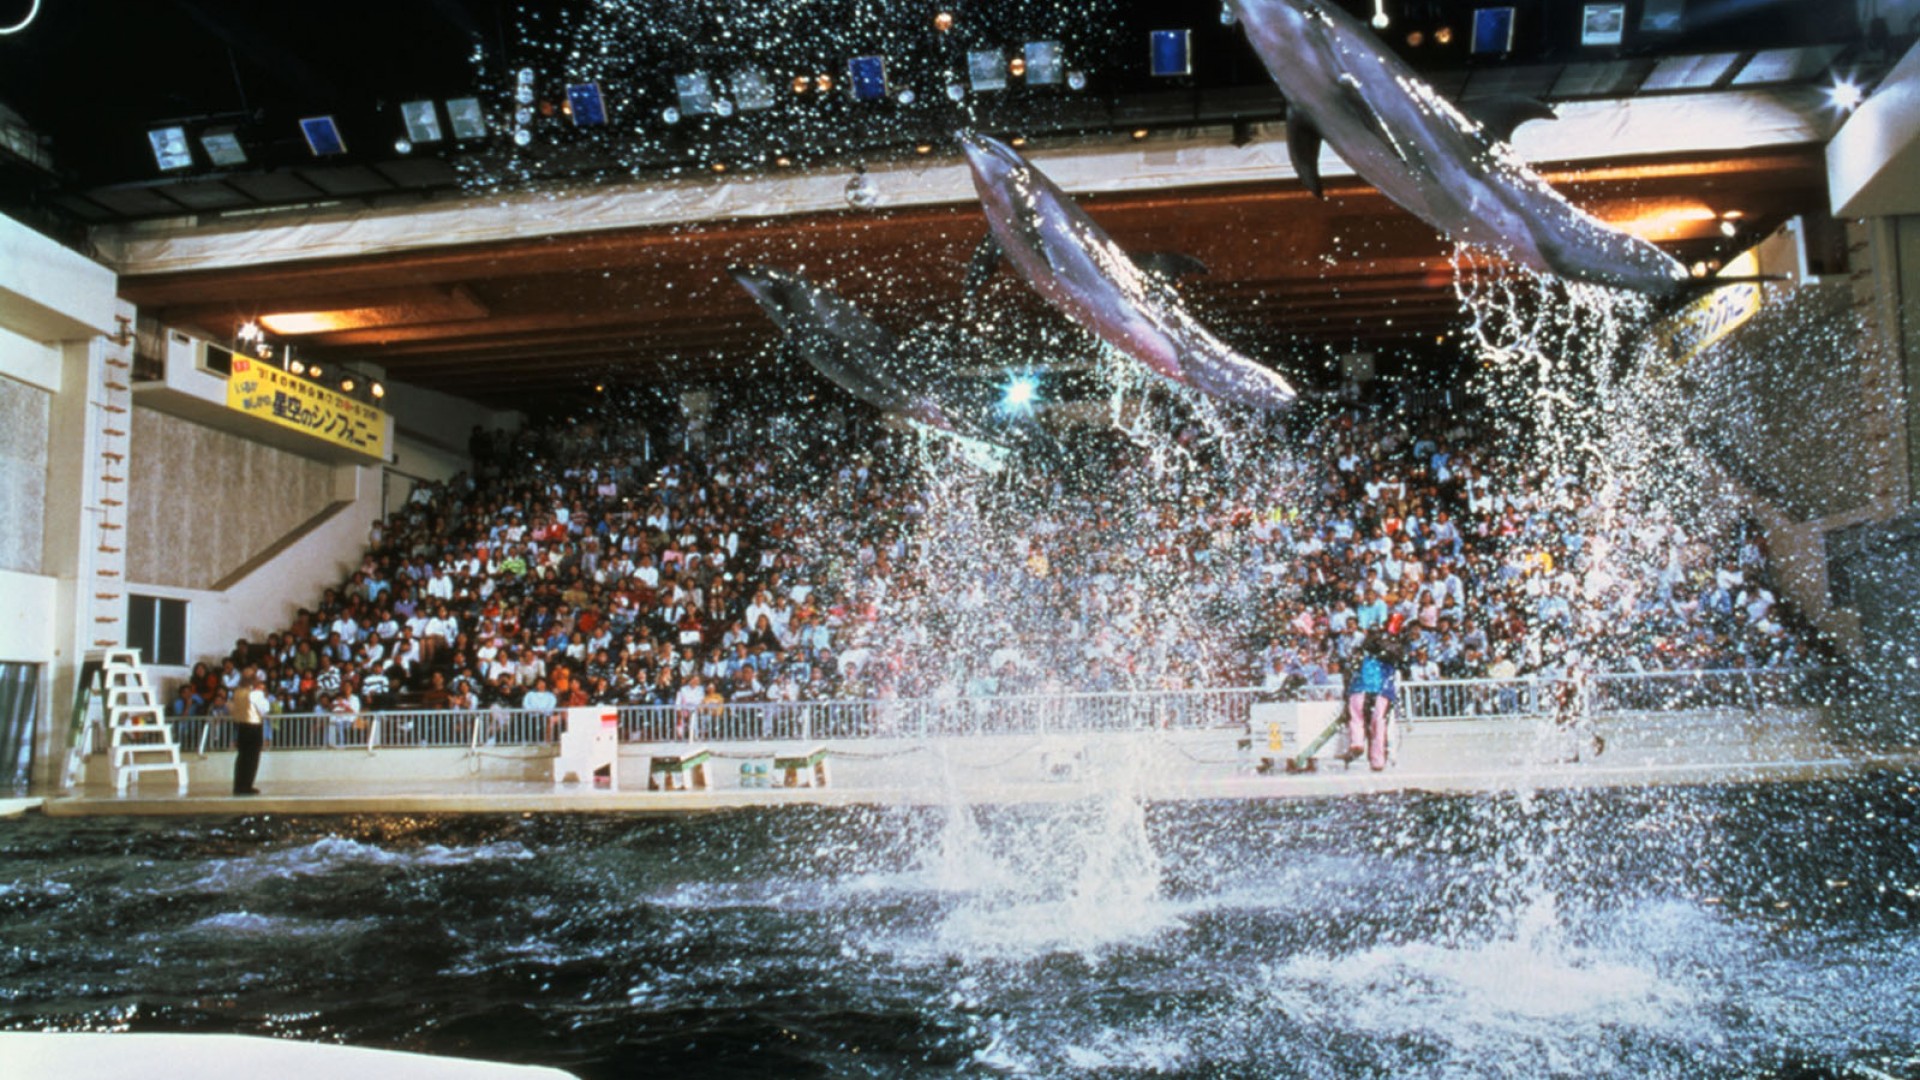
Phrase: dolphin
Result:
[857,354]
[1075,266]
[1454,172]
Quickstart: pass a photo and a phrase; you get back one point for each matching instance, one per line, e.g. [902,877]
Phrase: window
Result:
[157,627]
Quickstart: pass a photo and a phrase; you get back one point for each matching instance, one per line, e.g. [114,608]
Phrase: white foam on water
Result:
[250,924]
[333,853]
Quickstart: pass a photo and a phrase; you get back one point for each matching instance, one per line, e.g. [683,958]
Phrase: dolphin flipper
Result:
[1303,147]
[1500,115]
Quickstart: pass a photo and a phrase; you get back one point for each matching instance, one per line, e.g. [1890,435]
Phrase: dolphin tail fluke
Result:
[1303,148]
[986,259]
[1500,115]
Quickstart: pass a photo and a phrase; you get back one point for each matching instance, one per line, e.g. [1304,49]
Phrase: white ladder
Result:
[140,739]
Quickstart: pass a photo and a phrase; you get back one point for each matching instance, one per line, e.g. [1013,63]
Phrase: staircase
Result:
[139,738]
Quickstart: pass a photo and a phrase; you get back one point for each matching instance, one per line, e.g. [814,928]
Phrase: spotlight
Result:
[403,146]
[378,390]
[719,166]
[783,161]
[823,82]
[1043,63]
[466,118]
[223,147]
[524,95]
[1728,228]
[723,107]
[522,137]
[867,77]
[1415,39]
[943,21]
[986,70]
[263,350]
[1227,17]
[1443,35]
[1170,53]
[248,333]
[1017,66]
[670,115]
[170,150]
[422,120]
[525,77]
[314,372]
[296,367]
[1018,141]
[1076,80]
[956,92]
[923,148]
[1139,134]
[523,116]
[906,97]
[585,105]
[323,136]
[346,385]
[801,83]
[1020,393]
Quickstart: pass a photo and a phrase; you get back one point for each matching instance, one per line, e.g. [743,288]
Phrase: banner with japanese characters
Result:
[265,391]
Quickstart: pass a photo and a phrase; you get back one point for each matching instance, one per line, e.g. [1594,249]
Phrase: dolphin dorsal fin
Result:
[1303,148]
[1500,115]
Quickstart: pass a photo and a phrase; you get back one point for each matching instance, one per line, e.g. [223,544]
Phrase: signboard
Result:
[1702,324]
[271,394]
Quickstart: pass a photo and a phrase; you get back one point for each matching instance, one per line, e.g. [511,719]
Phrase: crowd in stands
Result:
[574,566]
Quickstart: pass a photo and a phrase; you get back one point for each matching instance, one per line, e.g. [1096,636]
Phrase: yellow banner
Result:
[1702,324]
[269,393]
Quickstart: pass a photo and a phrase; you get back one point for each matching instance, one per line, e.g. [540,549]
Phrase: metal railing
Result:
[1038,714]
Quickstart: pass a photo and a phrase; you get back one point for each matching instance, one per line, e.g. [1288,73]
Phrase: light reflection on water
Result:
[1739,931]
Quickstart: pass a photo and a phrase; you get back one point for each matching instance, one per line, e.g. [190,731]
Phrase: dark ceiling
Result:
[91,78]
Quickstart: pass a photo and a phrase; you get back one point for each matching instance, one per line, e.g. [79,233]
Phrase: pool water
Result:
[1764,930]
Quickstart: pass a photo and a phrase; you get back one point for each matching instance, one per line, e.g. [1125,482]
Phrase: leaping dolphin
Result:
[1452,171]
[860,356]
[1075,266]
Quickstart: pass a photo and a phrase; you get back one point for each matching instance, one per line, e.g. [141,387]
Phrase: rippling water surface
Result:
[1771,930]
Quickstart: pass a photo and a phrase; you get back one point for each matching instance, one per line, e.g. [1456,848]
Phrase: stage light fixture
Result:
[1017,66]
[694,92]
[1845,94]
[378,390]
[923,148]
[723,107]
[295,367]
[585,104]
[403,146]
[522,137]
[1076,80]
[1044,63]
[314,372]
[1415,39]
[1020,392]
[801,84]
[466,118]
[523,95]
[1139,134]
[523,116]
[1170,53]
[823,82]
[783,162]
[347,384]
[170,149]
[906,96]
[867,78]
[223,147]
[719,166]
[524,77]
[323,136]
[956,92]
[943,21]
[422,120]
[751,89]
[248,333]
[670,115]
[986,70]
[1443,35]
[1493,30]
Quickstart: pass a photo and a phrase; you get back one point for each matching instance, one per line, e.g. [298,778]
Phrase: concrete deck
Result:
[1466,756]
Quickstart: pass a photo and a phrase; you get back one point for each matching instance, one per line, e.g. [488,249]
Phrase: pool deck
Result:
[1467,756]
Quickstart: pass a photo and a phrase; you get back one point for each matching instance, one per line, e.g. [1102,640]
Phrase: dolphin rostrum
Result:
[1075,266]
[1454,172]
[860,356]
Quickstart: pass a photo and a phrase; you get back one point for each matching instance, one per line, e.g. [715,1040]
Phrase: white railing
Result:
[1038,714]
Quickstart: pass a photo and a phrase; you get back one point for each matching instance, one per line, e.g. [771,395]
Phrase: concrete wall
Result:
[203,502]
[24,411]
